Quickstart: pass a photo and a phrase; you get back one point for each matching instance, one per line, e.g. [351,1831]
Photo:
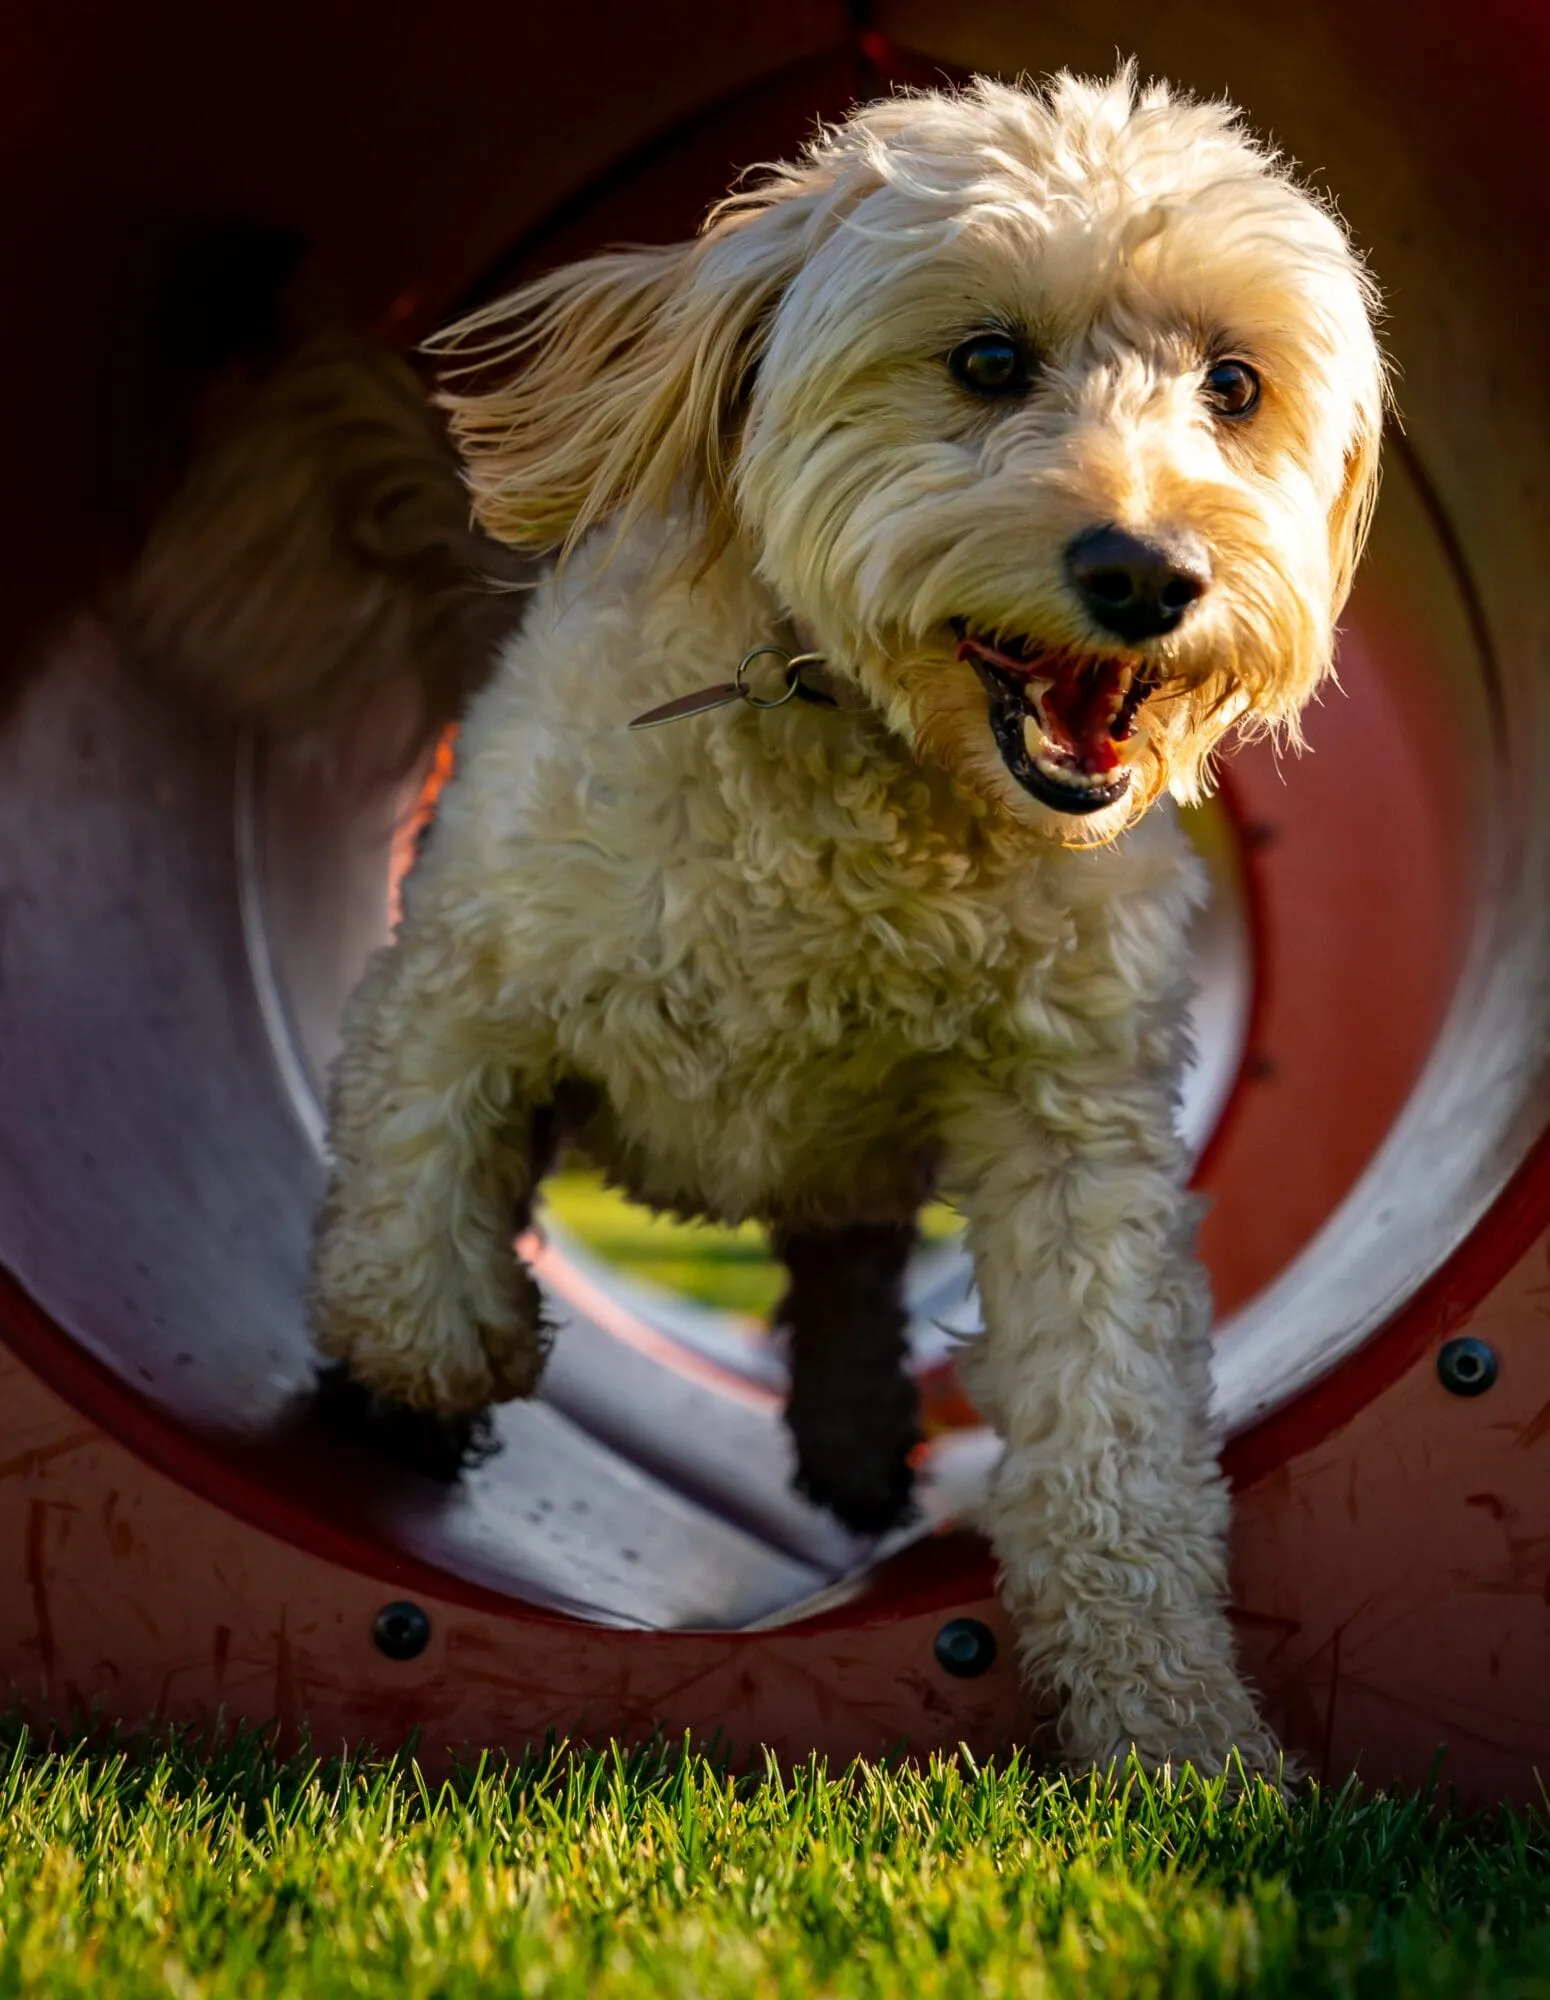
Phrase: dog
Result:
[1030,437]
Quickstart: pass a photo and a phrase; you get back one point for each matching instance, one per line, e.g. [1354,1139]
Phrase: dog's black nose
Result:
[1137,586]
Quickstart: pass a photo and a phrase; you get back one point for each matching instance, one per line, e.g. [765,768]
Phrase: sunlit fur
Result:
[789,364]
[809,960]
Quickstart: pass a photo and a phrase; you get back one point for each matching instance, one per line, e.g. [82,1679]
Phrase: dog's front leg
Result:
[415,1287]
[1108,1512]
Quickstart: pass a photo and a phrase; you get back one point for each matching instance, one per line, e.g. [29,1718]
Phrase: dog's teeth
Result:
[1059,769]
[1073,781]
[1043,753]
[1133,745]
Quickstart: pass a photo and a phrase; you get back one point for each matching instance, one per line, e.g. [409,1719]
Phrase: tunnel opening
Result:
[1371,1022]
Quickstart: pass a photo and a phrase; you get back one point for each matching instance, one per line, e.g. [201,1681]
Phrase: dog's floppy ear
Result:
[1351,516]
[599,388]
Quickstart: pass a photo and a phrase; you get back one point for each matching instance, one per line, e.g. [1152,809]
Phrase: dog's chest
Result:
[775,971]
[820,902]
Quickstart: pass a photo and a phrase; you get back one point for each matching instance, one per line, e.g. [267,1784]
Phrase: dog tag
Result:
[690,704]
[739,689]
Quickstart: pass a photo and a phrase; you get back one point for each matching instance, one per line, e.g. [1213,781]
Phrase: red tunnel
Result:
[181,911]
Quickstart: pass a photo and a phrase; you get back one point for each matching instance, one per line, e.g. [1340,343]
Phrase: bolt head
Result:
[1466,1366]
[965,1648]
[401,1630]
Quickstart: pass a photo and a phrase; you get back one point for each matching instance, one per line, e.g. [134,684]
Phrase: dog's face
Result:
[1061,437]
[1052,418]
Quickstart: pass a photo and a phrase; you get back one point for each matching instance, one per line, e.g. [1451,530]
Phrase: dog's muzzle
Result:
[1066,725]
[1138,586]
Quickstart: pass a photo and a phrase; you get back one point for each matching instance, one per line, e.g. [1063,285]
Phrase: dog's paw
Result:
[1255,1755]
[1240,1767]
[1199,1716]
[433,1332]
[868,1491]
[1235,1747]
[437,1444]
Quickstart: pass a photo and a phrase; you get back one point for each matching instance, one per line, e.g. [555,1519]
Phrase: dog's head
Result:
[1052,418]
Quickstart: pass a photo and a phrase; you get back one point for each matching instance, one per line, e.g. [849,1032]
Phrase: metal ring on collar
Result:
[740,678]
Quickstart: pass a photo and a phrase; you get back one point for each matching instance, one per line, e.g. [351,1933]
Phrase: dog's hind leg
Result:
[437,1136]
[853,1408]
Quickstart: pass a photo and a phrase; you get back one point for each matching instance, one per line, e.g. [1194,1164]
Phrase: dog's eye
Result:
[1232,388]
[990,364]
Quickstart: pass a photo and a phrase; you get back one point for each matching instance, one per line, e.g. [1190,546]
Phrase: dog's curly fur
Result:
[809,962]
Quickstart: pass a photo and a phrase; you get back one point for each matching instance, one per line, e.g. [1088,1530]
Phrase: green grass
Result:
[569,1875]
[729,1268]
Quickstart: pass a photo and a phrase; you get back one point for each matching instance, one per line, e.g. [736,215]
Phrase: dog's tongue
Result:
[1080,699]
[1080,707]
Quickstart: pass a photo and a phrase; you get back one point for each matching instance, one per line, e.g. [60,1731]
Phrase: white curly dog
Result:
[1049,421]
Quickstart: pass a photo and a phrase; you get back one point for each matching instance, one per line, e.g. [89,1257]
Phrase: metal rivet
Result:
[401,1630]
[1466,1367]
[965,1648]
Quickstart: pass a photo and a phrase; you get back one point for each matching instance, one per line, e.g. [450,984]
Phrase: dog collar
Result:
[803,675]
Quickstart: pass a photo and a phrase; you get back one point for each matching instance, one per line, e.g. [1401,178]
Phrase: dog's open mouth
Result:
[1066,724]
